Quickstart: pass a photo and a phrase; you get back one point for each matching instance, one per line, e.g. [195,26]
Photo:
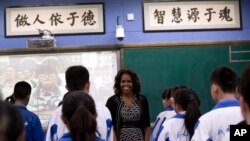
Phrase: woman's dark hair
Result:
[11,122]
[22,90]
[226,78]
[135,80]
[189,102]
[79,110]
[245,85]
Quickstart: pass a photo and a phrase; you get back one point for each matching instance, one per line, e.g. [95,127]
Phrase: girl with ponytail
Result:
[79,114]
[181,127]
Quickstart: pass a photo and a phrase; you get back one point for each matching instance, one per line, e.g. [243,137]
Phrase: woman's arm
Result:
[147,133]
[146,118]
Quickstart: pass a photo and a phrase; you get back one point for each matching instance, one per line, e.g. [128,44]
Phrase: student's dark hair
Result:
[22,89]
[245,85]
[11,122]
[174,89]
[135,80]
[76,77]
[189,102]
[226,78]
[166,93]
[79,110]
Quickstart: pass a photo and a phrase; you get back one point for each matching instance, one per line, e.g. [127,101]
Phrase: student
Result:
[166,114]
[21,97]
[181,126]
[244,92]
[215,124]
[79,115]
[129,109]
[77,78]
[11,123]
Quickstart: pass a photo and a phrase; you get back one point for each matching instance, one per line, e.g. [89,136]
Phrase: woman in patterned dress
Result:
[129,109]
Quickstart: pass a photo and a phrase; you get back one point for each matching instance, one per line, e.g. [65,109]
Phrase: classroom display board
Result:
[46,74]
[160,68]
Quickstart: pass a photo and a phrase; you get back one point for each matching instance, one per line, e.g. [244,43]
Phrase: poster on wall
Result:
[61,19]
[46,74]
[191,15]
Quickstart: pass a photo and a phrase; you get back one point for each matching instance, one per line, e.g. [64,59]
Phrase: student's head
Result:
[244,91]
[79,114]
[22,91]
[127,82]
[223,81]
[11,123]
[77,78]
[166,95]
[173,91]
[186,99]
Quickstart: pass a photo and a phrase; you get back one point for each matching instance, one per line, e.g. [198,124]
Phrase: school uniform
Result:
[215,124]
[57,128]
[161,118]
[32,124]
[68,137]
[174,129]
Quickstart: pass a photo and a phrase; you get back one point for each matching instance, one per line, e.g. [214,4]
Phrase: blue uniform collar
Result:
[66,135]
[179,115]
[227,103]
[170,108]
[21,106]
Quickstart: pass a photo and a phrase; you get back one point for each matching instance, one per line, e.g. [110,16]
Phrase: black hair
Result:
[166,93]
[135,81]
[22,90]
[189,102]
[245,85]
[11,122]
[79,110]
[174,89]
[226,78]
[76,77]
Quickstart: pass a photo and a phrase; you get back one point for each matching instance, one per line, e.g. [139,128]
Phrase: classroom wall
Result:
[133,29]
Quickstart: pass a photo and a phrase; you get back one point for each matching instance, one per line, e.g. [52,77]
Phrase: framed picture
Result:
[61,19]
[191,15]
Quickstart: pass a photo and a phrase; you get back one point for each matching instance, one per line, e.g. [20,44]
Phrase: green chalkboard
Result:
[160,68]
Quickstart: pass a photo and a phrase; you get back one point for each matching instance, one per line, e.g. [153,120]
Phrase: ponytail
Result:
[10,99]
[189,102]
[82,125]
[192,115]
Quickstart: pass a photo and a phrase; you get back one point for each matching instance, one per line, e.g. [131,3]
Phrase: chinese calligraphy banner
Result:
[191,15]
[70,19]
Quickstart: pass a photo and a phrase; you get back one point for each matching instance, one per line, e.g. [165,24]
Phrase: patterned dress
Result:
[131,115]
[129,121]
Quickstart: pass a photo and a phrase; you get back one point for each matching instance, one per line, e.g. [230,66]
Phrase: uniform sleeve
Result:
[163,133]
[159,121]
[109,123]
[38,130]
[51,122]
[201,131]
[56,127]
